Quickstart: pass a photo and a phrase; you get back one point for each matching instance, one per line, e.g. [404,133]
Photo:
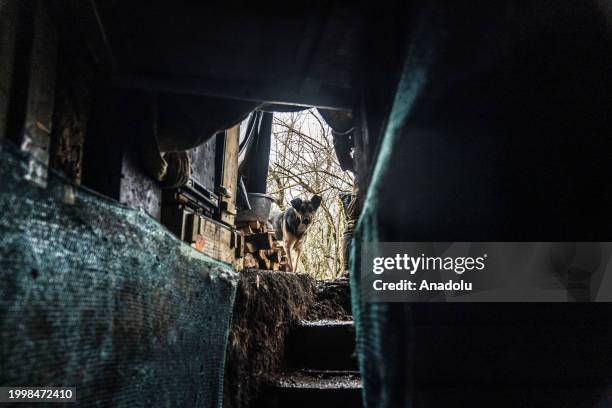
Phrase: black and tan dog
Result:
[290,226]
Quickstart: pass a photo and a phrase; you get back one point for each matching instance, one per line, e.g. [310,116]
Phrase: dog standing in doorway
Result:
[290,226]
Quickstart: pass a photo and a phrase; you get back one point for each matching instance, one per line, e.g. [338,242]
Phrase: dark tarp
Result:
[499,131]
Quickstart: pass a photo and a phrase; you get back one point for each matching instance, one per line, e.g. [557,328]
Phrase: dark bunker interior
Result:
[134,150]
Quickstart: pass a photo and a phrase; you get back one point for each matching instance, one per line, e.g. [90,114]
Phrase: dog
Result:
[290,226]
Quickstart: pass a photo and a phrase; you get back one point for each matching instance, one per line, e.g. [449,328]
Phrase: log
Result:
[261,240]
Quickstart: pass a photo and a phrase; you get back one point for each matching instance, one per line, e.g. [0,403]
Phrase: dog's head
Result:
[305,209]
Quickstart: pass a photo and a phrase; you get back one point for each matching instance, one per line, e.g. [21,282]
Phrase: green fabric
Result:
[384,379]
[498,131]
[101,297]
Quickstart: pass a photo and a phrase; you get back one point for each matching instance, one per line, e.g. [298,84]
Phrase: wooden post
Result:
[33,90]
[228,177]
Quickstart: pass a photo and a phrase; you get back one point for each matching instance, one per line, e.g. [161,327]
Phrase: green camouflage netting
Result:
[499,130]
[100,297]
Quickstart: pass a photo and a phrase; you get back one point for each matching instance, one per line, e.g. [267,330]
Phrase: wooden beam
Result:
[33,87]
[227,179]
[283,92]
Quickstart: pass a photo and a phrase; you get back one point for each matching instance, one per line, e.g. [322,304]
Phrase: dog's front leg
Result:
[298,251]
[288,251]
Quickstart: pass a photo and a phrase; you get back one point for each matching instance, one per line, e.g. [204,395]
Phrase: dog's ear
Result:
[316,201]
[296,203]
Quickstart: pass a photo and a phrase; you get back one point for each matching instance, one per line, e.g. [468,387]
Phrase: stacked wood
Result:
[261,249]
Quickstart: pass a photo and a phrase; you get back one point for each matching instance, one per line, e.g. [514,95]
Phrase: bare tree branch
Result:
[303,162]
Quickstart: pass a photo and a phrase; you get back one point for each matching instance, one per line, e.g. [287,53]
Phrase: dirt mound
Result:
[267,304]
[332,301]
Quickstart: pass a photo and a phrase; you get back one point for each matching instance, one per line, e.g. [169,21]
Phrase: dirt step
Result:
[332,301]
[322,345]
[311,388]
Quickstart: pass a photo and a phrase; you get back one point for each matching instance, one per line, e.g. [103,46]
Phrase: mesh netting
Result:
[101,297]
[476,148]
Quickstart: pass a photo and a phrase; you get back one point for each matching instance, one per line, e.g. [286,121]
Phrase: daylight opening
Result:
[303,163]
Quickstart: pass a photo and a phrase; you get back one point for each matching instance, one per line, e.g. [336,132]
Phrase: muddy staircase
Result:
[320,366]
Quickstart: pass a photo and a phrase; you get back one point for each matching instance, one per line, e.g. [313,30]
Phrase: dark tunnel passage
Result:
[139,259]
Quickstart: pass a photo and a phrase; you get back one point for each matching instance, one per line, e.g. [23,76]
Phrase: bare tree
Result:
[303,163]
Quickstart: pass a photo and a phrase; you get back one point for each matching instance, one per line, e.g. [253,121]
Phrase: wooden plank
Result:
[191,227]
[250,261]
[36,130]
[229,180]
[213,238]
[216,240]
[230,171]
[238,245]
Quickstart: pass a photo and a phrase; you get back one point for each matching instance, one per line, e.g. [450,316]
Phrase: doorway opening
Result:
[304,163]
